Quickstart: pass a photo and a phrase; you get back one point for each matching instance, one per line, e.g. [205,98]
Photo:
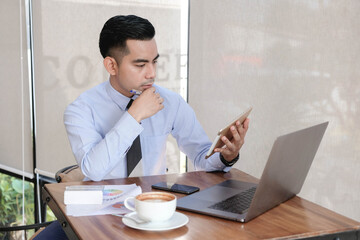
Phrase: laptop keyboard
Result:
[238,203]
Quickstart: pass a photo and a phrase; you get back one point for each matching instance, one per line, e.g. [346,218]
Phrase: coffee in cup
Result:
[153,206]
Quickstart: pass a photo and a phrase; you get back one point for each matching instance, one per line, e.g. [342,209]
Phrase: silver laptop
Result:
[283,177]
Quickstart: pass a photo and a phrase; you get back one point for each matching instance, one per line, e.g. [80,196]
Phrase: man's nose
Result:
[151,71]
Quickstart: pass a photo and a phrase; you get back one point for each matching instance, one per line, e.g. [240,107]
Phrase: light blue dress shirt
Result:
[101,131]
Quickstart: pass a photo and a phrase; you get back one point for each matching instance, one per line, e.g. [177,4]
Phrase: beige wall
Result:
[297,63]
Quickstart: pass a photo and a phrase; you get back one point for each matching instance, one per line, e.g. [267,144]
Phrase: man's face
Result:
[136,70]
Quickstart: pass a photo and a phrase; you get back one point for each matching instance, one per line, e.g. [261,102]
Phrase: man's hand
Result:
[146,105]
[233,147]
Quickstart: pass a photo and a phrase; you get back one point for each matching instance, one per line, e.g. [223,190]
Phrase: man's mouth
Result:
[148,85]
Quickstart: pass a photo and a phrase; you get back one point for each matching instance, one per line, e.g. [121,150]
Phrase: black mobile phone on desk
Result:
[174,187]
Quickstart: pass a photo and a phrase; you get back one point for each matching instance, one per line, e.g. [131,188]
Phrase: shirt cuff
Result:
[128,127]
[217,164]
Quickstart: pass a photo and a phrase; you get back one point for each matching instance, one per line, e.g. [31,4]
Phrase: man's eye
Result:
[141,65]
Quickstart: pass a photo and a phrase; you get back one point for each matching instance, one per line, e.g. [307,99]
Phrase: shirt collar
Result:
[118,98]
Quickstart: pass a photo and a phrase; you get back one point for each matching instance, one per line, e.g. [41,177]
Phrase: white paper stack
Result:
[84,194]
[79,202]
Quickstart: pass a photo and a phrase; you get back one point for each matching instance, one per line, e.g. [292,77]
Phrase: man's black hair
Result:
[120,28]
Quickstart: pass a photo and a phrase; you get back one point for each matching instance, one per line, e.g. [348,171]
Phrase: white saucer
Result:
[176,221]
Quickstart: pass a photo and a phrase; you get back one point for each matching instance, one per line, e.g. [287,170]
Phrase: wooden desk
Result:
[296,218]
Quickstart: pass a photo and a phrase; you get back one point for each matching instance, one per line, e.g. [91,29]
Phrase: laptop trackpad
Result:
[223,190]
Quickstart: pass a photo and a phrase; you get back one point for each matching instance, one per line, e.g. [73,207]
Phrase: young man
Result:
[101,129]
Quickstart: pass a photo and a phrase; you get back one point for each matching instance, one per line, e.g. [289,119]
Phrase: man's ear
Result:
[110,65]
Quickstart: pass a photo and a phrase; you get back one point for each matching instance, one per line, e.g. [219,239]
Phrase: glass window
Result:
[68,62]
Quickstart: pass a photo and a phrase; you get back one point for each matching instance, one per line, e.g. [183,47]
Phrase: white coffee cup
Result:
[153,206]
